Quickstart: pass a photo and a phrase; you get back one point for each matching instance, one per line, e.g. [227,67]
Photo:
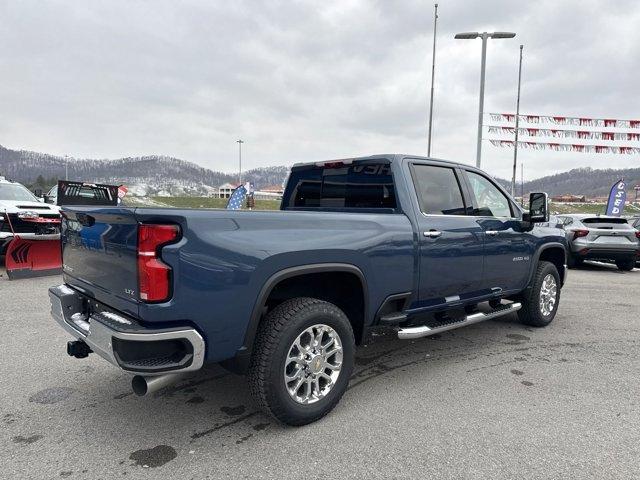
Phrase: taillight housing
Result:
[638,234]
[580,233]
[154,276]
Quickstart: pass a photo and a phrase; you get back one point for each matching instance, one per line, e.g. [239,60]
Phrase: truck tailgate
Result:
[99,254]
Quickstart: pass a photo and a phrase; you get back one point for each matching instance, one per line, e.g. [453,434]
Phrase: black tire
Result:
[573,261]
[626,265]
[275,337]
[531,313]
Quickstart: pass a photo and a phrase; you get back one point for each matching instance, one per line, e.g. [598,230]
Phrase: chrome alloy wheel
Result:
[548,295]
[313,364]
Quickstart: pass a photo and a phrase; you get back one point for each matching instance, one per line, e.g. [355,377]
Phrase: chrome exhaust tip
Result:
[147,384]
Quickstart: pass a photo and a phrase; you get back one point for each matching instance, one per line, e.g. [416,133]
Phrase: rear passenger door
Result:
[451,243]
[508,250]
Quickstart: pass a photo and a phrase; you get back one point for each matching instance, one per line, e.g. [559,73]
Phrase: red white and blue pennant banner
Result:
[559,120]
[551,132]
[567,147]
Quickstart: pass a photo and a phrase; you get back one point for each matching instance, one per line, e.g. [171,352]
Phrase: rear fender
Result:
[241,361]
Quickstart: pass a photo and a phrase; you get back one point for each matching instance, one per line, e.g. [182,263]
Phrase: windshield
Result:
[16,193]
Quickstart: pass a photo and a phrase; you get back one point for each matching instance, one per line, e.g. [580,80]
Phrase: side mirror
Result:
[538,208]
[47,198]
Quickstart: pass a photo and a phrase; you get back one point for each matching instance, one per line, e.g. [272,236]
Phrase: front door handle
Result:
[491,233]
[432,234]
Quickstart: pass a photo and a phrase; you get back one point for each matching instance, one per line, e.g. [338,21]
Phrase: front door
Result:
[451,243]
[508,249]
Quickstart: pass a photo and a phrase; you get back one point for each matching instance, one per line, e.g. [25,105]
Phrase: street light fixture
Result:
[484,36]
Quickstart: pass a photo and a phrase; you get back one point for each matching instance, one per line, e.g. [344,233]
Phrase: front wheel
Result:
[541,299]
[573,261]
[303,359]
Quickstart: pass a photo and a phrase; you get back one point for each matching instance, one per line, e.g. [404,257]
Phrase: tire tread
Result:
[267,339]
[530,314]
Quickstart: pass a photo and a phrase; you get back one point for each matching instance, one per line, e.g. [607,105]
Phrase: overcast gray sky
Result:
[302,81]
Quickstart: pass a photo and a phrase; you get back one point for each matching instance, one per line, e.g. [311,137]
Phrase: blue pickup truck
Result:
[387,243]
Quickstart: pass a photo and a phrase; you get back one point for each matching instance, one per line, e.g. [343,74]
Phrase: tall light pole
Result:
[522,183]
[484,36]
[66,167]
[433,73]
[515,144]
[239,142]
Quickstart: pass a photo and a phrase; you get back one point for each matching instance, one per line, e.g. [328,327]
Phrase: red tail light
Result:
[154,276]
[580,233]
[638,234]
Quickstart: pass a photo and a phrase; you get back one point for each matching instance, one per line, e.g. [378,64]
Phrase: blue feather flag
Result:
[617,199]
[237,198]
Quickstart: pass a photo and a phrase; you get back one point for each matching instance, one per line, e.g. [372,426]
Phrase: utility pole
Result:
[433,73]
[239,142]
[515,144]
[66,167]
[522,183]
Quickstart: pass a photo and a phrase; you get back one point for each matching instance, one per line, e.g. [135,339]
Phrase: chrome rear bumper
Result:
[108,334]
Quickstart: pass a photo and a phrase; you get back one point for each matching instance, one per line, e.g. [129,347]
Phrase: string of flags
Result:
[551,132]
[561,120]
[588,133]
[567,147]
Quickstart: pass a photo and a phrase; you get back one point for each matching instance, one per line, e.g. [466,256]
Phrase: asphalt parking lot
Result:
[493,400]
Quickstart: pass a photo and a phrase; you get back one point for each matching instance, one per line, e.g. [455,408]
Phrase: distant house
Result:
[271,192]
[225,190]
[569,199]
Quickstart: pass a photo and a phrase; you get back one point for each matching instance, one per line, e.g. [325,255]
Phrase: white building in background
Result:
[225,190]
[272,192]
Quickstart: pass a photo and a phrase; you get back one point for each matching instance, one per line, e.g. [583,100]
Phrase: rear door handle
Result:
[432,234]
[491,233]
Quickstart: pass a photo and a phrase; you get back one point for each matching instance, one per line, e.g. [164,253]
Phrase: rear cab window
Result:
[438,190]
[342,185]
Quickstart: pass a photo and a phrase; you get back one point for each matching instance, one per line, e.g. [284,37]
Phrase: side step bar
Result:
[424,330]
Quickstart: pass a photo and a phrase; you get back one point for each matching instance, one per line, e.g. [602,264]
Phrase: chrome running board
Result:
[409,333]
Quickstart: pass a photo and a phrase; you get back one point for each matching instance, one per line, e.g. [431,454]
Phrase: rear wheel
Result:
[540,301]
[302,361]
[626,265]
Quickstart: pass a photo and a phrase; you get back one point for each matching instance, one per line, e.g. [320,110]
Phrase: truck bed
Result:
[225,258]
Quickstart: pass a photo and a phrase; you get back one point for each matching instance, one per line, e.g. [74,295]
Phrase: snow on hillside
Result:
[144,176]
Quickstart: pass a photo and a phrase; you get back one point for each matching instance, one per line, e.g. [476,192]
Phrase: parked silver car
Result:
[635,223]
[600,237]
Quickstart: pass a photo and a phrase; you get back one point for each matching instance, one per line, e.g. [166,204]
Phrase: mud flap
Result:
[33,258]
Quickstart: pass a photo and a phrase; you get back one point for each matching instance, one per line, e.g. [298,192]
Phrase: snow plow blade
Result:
[27,258]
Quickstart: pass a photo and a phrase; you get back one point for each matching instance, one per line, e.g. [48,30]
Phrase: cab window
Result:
[438,190]
[490,201]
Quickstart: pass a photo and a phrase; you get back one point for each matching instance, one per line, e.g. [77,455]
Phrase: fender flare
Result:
[277,277]
[536,258]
